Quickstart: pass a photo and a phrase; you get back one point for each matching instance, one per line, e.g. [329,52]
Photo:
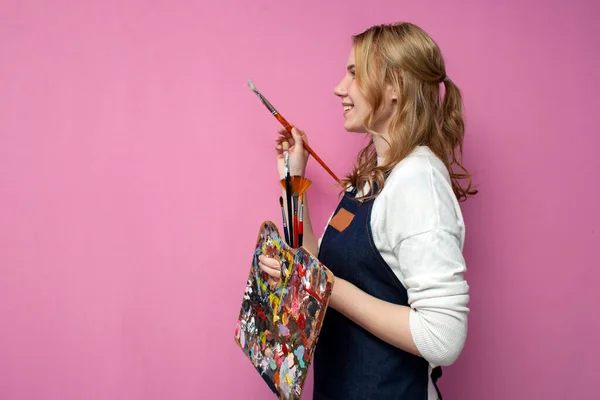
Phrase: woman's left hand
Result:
[272,268]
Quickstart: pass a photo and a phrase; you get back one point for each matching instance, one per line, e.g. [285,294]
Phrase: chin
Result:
[354,129]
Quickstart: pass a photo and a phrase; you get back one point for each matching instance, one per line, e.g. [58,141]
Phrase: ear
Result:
[391,93]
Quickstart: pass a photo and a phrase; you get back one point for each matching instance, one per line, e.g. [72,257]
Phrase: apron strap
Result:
[436,374]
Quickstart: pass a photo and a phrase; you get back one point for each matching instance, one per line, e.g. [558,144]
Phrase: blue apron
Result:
[349,362]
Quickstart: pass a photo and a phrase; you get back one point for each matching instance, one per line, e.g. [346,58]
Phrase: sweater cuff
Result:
[418,336]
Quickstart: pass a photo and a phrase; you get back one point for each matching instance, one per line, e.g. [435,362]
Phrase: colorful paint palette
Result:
[280,322]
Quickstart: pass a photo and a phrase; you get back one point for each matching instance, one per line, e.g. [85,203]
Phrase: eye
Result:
[352,73]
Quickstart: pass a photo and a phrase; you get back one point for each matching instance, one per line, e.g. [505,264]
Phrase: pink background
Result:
[136,167]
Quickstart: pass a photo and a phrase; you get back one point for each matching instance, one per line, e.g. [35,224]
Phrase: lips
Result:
[347,107]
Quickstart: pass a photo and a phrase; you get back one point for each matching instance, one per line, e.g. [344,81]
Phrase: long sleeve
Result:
[418,228]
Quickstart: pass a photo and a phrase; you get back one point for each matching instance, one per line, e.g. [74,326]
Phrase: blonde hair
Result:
[407,58]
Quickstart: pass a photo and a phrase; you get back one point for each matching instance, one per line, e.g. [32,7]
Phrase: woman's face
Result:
[356,107]
[354,104]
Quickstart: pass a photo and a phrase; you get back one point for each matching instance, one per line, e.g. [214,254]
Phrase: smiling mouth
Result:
[347,107]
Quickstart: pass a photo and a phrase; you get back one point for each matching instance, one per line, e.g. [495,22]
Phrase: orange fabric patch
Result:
[341,220]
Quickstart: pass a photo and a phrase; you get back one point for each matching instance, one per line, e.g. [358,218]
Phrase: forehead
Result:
[350,60]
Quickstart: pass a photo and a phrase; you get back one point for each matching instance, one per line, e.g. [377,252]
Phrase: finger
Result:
[268,261]
[275,273]
[282,139]
[285,135]
[299,135]
[272,272]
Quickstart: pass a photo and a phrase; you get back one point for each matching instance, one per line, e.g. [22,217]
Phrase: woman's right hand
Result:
[297,153]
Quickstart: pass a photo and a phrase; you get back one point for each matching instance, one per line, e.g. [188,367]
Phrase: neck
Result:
[379,140]
[381,145]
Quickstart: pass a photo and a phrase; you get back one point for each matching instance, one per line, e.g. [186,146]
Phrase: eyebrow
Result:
[350,67]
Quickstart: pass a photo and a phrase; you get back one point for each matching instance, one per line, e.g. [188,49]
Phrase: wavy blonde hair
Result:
[406,57]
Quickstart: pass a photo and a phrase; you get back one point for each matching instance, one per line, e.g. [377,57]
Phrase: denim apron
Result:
[349,362]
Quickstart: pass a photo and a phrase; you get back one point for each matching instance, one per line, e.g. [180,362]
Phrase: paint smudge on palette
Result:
[279,324]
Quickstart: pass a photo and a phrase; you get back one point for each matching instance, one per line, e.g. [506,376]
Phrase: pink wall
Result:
[136,167]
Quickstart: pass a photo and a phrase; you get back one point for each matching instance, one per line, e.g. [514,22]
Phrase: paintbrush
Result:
[288,191]
[295,202]
[285,229]
[300,220]
[288,127]
[299,186]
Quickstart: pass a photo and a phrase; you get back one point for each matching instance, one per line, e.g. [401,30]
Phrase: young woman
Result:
[398,310]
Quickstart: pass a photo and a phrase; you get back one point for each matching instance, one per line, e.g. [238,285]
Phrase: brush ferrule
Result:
[286,162]
[267,104]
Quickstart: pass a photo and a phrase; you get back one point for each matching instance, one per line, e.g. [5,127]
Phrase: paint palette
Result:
[280,322]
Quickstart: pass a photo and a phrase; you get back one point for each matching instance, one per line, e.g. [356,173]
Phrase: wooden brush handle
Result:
[288,127]
[316,157]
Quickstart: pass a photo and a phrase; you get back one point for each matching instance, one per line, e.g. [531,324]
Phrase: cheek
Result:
[352,92]
[356,97]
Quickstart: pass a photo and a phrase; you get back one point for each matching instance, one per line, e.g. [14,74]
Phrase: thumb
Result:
[299,137]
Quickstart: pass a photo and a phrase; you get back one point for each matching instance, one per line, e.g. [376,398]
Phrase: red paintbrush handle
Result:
[296,231]
[285,124]
[288,127]
[316,157]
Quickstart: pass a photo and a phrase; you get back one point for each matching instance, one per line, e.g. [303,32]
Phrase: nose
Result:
[341,89]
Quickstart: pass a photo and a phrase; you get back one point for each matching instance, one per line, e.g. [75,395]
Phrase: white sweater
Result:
[418,228]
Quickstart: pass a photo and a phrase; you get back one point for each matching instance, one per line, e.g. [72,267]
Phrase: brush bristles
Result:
[299,184]
[252,87]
